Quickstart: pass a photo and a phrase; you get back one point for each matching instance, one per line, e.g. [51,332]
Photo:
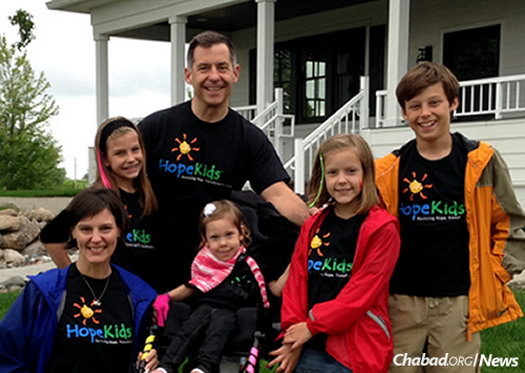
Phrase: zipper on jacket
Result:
[379,321]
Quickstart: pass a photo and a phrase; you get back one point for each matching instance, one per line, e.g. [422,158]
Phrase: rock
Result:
[11,212]
[13,257]
[518,281]
[6,206]
[13,288]
[14,281]
[34,250]
[20,239]
[40,214]
[10,223]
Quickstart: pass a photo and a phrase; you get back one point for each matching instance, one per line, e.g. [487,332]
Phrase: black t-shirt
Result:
[331,257]
[239,289]
[330,261]
[434,253]
[93,338]
[137,253]
[191,163]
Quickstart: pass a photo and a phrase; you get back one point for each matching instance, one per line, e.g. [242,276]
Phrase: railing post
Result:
[278,131]
[298,165]
[499,100]
[363,104]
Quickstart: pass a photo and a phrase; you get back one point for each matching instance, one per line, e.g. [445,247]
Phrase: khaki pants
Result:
[435,327]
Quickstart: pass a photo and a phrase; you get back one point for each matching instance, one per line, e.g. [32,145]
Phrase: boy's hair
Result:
[424,75]
[368,196]
[111,129]
[224,209]
[207,39]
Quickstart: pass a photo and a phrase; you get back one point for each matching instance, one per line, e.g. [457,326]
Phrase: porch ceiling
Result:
[237,17]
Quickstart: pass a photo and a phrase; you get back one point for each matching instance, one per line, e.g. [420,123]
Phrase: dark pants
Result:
[206,331]
[315,361]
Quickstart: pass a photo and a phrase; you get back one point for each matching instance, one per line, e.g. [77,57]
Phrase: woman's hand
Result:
[287,358]
[151,360]
[297,335]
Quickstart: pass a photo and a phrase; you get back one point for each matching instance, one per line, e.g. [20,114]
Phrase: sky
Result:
[64,51]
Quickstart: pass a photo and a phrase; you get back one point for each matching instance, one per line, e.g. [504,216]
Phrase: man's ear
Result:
[187,75]
[236,72]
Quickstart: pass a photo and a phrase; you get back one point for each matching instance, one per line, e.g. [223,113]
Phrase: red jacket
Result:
[356,321]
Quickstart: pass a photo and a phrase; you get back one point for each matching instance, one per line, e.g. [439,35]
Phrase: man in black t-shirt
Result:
[459,216]
[201,150]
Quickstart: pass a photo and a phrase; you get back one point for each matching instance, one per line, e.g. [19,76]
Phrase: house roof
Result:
[240,15]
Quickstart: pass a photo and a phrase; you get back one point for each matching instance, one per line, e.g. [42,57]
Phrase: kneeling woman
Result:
[89,316]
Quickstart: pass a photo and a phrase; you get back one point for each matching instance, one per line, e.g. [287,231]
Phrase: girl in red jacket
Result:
[334,315]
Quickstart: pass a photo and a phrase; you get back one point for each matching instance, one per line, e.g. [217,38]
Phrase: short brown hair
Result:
[222,209]
[206,39]
[424,75]
[369,196]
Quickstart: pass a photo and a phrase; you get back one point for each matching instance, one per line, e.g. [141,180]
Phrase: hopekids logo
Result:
[107,333]
[330,267]
[138,236]
[185,147]
[432,211]
[435,211]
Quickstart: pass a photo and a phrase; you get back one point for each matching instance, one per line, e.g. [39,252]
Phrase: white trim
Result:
[178,42]
[265,52]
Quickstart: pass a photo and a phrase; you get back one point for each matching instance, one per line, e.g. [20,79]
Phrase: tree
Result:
[29,155]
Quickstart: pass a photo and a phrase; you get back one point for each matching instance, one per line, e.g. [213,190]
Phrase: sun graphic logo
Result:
[416,187]
[87,312]
[185,147]
[317,243]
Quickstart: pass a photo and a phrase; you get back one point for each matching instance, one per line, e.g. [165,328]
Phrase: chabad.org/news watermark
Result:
[478,360]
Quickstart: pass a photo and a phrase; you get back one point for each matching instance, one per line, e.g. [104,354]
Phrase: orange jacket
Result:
[494,220]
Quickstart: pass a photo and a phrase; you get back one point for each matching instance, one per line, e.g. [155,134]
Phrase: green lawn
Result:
[502,341]
[506,340]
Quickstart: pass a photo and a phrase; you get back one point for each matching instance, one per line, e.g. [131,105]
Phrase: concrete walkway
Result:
[53,204]
[25,271]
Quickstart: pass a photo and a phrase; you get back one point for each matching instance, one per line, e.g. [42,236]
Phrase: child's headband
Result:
[321,182]
[106,132]
[110,128]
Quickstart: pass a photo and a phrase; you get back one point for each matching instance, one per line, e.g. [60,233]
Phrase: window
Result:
[315,87]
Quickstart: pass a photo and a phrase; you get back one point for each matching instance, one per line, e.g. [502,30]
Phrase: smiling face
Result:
[96,238]
[212,76]
[344,179]
[223,238]
[428,114]
[125,158]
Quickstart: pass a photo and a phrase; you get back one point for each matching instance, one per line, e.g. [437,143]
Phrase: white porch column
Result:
[265,40]
[102,85]
[178,42]
[398,27]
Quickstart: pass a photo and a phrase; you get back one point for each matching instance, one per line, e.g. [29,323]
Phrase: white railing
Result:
[350,118]
[247,111]
[497,96]
[380,108]
[272,121]
[504,94]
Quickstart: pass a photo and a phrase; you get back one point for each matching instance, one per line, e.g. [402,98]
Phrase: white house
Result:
[316,51]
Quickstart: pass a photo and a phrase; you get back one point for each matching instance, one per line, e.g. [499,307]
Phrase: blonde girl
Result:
[334,314]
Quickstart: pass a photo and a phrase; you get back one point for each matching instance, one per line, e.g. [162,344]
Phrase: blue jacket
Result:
[27,331]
